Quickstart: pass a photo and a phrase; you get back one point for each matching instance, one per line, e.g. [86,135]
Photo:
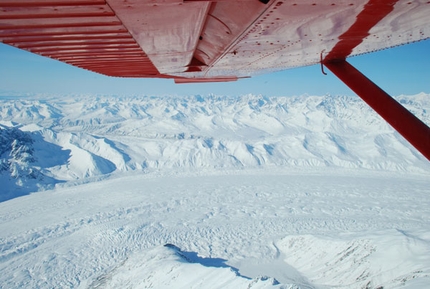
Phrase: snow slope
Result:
[210,192]
[249,229]
[83,138]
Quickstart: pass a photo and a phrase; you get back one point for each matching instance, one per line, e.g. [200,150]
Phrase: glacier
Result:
[210,192]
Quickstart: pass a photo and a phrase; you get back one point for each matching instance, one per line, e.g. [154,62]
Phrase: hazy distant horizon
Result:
[399,70]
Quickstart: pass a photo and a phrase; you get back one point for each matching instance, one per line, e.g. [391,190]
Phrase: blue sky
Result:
[400,70]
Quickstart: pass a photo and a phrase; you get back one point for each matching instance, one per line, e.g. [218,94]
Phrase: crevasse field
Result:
[210,192]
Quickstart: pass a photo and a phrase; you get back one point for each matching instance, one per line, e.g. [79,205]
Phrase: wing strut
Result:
[407,124]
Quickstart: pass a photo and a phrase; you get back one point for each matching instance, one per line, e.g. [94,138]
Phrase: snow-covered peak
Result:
[79,137]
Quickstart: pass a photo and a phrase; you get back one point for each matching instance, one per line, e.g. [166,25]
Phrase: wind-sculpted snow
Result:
[96,136]
[210,192]
[353,259]
[251,229]
[169,267]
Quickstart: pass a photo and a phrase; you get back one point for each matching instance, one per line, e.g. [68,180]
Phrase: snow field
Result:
[343,229]
[210,192]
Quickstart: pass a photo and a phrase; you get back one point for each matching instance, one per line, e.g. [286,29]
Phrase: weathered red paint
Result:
[83,33]
[224,37]
[204,80]
[408,125]
[373,12]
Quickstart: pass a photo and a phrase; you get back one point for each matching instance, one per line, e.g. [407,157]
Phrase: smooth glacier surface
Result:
[210,192]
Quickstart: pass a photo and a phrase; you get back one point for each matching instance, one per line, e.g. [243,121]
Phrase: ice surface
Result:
[210,192]
[343,229]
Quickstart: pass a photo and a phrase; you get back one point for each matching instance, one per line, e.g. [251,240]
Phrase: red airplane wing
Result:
[217,40]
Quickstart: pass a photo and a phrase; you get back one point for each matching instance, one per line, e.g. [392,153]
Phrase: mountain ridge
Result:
[78,137]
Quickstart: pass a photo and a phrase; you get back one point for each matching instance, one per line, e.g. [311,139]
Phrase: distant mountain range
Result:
[48,140]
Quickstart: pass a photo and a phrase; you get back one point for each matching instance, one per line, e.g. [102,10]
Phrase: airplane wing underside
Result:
[196,41]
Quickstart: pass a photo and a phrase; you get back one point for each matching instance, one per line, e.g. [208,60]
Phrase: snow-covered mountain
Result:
[49,140]
[308,192]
